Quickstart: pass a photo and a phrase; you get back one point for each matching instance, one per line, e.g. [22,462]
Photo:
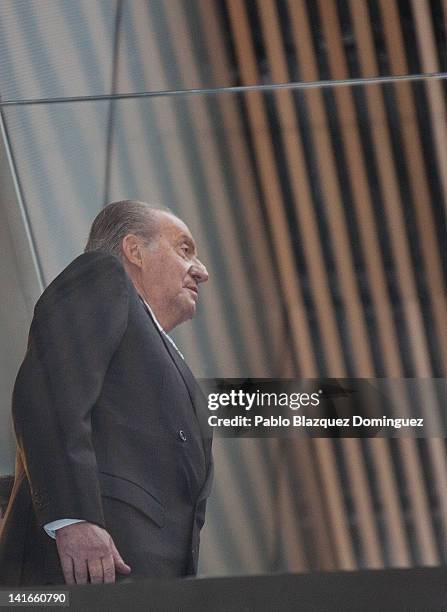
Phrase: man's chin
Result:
[189,312]
[192,311]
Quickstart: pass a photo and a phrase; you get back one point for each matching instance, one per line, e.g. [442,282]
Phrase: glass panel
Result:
[55,49]
[311,208]
[320,214]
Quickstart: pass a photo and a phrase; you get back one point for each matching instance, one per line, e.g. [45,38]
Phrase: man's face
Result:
[171,272]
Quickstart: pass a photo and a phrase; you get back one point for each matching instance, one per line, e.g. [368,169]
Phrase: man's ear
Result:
[131,247]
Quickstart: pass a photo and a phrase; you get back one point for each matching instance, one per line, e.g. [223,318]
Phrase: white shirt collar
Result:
[151,312]
[153,316]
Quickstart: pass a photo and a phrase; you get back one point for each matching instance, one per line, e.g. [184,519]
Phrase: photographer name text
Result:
[321,422]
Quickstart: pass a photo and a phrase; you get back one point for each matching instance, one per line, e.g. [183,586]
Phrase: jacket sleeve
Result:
[77,326]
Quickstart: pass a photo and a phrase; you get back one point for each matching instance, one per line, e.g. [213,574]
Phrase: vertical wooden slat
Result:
[361,495]
[417,174]
[301,191]
[368,234]
[290,545]
[241,169]
[333,202]
[336,507]
[401,255]
[273,197]
[301,455]
[426,229]
[256,457]
[392,201]
[388,485]
[429,60]
[311,244]
[307,62]
[310,238]
[363,206]
[299,331]
[269,177]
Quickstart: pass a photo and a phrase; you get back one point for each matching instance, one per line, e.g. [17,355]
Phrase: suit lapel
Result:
[198,400]
[195,393]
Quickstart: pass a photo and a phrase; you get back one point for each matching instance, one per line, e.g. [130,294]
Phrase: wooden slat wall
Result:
[391,483]
[321,215]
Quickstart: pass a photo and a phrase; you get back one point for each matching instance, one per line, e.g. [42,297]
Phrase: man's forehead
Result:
[172,225]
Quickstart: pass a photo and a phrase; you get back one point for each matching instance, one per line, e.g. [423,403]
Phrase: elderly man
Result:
[114,453]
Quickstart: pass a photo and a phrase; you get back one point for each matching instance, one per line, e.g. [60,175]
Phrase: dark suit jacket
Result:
[111,427]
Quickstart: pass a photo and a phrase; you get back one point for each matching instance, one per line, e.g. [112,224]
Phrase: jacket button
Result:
[182,435]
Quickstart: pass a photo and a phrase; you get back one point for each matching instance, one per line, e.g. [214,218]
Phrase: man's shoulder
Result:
[92,273]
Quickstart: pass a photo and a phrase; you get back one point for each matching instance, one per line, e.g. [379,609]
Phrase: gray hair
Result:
[118,219]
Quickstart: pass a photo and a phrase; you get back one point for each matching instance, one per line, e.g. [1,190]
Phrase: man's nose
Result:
[199,272]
